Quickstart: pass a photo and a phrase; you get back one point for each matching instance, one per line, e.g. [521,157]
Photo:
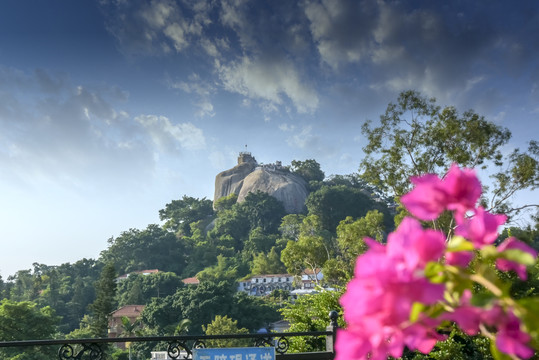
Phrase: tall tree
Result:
[179,214]
[25,321]
[105,301]
[415,136]
[334,203]
[308,169]
[151,248]
[313,248]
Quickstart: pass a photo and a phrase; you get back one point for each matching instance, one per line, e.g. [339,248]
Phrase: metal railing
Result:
[181,346]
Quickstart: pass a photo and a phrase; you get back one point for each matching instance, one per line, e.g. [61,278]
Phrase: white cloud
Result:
[168,136]
[266,80]
[203,91]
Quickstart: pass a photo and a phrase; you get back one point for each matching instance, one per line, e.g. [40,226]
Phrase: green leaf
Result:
[417,309]
[482,299]
[458,243]
[518,256]
[489,252]
[434,271]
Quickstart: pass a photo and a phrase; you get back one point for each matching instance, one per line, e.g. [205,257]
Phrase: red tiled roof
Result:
[131,311]
[191,281]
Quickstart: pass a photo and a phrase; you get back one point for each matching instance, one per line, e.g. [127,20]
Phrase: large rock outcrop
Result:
[248,177]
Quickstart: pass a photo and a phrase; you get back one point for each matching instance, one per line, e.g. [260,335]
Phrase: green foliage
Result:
[179,214]
[25,321]
[268,264]
[350,244]
[226,202]
[308,169]
[138,289]
[152,248]
[263,211]
[415,136]
[291,226]
[223,325]
[104,303]
[334,203]
[311,313]
[313,248]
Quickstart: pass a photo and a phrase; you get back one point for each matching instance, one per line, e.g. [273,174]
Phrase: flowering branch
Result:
[422,278]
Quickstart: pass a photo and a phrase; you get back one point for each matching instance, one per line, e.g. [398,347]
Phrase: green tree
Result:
[105,301]
[151,248]
[268,263]
[415,136]
[334,203]
[308,169]
[263,211]
[311,313]
[223,325]
[350,244]
[25,321]
[290,226]
[179,214]
[313,248]
[226,202]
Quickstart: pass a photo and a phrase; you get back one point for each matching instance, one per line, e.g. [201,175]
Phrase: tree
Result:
[222,325]
[267,263]
[313,248]
[25,321]
[179,214]
[334,203]
[151,248]
[350,243]
[105,301]
[311,313]
[129,329]
[415,136]
[263,211]
[308,169]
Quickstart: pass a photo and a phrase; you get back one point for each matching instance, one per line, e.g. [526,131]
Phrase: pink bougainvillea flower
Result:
[388,281]
[481,229]
[458,191]
[512,340]
[467,316]
[428,199]
[463,189]
[507,265]
[459,258]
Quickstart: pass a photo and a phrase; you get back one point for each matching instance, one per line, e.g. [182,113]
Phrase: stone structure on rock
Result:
[249,176]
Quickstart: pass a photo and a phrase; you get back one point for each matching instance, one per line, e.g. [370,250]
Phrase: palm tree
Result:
[129,329]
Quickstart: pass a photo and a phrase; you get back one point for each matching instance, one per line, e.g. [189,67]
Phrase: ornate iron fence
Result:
[181,347]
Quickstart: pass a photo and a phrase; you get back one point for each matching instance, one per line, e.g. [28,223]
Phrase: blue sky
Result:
[110,109]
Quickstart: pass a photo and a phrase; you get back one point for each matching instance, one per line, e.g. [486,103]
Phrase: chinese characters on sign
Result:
[265,353]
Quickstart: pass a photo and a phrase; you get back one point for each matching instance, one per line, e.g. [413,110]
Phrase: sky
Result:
[111,109]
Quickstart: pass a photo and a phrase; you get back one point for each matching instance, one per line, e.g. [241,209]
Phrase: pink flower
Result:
[507,265]
[459,191]
[459,258]
[511,340]
[481,229]
[388,280]
[463,189]
[468,317]
[428,199]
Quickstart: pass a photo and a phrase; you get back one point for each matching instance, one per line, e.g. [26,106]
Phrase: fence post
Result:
[330,340]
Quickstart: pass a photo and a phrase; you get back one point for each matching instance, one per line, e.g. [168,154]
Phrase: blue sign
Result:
[257,353]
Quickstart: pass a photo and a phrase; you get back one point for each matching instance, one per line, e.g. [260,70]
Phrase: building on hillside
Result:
[264,284]
[143,272]
[191,281]
[132,312]
[260,285]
